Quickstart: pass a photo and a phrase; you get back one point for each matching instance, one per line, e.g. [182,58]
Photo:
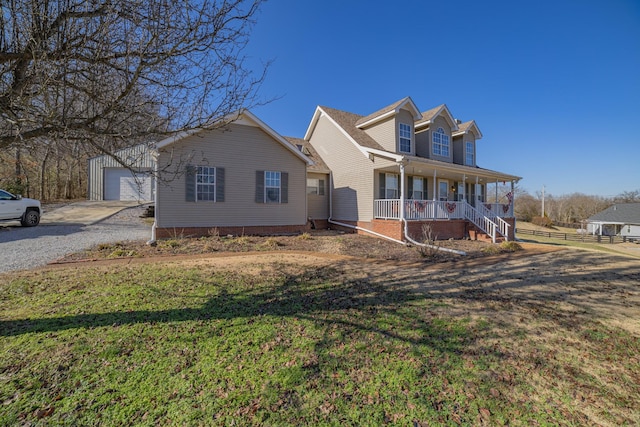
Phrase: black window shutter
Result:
[219,184]
[321,187]
[259,186]
[190,179]
[284,187]
[381,185]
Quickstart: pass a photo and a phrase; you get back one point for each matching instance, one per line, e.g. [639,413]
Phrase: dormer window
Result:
[440,143]
[469,154]
[404,145]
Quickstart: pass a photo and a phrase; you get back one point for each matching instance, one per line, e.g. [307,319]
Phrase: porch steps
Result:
[476,233]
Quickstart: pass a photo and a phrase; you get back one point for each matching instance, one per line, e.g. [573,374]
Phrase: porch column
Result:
[513,200]
[464,188]
[435,185]
[496,191]
[476,190]
[401,191]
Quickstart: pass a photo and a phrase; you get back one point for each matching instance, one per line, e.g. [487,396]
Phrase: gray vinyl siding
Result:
[385,133]
[459,148]
[241,150]
[353,173]
[139,157]
[317,205]
[423,144]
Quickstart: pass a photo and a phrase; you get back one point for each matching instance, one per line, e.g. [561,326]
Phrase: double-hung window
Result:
[272,188]
[469,154]
[404,131]
[440,143]
[206,183]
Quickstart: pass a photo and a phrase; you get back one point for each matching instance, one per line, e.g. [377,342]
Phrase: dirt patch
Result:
[323,242]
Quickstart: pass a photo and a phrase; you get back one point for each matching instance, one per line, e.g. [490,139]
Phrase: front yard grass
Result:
[196,345]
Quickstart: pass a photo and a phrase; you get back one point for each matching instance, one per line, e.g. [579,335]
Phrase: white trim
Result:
[384,154]
[377,119]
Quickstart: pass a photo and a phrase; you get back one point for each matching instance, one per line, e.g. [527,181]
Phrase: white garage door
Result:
[122,184]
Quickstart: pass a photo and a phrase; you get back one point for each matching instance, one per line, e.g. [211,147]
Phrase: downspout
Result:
[153,240]
[354,227]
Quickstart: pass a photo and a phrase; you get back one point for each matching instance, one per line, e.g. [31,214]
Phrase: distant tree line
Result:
[565,209]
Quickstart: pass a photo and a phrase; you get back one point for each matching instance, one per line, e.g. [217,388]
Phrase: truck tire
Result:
[31,218]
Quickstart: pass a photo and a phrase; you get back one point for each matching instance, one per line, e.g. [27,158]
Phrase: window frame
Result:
[200,185]
[394,178]
[440,143]
[469,155]
[404,137]
[272,177]
[317,186]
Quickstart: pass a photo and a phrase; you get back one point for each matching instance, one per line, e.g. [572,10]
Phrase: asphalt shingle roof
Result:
[381,111]
[319,165]
[625,213]
[347,121]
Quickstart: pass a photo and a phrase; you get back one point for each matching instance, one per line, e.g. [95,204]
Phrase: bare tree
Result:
[628,197]
[107,71]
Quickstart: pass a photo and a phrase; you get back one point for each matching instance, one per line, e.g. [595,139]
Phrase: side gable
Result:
[244,118]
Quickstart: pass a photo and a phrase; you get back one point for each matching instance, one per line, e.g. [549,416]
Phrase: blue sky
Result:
[554,86]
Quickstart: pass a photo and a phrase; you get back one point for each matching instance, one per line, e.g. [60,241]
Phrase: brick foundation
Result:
[267,230]
[440,230]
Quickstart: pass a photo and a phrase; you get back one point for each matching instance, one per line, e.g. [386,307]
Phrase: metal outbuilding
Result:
[110,180]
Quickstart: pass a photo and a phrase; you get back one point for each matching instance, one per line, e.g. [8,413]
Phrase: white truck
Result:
[27,211]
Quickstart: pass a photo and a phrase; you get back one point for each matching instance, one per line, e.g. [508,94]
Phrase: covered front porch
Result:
[416,210]
[424,190]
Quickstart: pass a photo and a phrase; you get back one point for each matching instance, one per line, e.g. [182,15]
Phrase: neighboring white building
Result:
[621,219]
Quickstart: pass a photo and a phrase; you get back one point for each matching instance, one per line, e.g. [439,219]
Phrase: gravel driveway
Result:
[23,248]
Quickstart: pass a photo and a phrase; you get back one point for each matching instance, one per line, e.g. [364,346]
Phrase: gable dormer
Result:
[464,143]
[392,127]
[434,134]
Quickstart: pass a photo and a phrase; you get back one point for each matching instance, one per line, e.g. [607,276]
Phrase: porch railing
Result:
[499,209]
[482,217]
[503,226]
[481,221]
[418,209]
